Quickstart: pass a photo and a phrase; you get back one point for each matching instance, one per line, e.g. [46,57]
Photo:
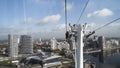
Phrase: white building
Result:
[26,44]
[60,45]
[112,43]
[73,44]
[66,45]
[63,45]
[13,41]
[54,44]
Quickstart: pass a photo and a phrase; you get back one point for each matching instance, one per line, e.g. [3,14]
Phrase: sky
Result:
[45,18]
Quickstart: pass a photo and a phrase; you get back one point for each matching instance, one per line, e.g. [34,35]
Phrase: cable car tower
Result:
[79,47]
[80,34]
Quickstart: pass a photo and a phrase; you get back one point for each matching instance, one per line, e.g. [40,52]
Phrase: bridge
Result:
[93,51]
[96,50]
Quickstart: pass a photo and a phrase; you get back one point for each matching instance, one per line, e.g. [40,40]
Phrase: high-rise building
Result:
[26,44]
[13,41]
[102,42]
[65,45]
[53,44]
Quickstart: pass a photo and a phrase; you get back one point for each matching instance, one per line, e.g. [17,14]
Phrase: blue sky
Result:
[45,18]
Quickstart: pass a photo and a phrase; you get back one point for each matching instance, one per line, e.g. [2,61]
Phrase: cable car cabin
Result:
[52,61]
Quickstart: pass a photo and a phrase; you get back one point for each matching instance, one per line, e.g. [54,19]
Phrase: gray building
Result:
[26,44]
[13,41]
[102,42]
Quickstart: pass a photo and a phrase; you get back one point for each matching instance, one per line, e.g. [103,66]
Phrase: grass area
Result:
[7,63]
[70,64]
[66,59]
[3,45]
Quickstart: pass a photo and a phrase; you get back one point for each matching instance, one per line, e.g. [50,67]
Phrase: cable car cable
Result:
[107,24]
[83,11]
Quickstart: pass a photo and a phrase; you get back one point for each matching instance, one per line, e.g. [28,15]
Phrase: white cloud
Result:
[45,20]
[101,13]
[69,6]
[59,27]
[10,30]
[30,20]
[52,18]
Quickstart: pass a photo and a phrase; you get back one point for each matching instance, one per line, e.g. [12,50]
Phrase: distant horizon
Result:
[49,38]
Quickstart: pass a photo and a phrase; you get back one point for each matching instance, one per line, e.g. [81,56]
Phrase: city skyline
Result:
[43,18]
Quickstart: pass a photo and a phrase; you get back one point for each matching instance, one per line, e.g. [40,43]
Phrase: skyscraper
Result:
[13,41]
[102,42]
[26,44]
[53,44]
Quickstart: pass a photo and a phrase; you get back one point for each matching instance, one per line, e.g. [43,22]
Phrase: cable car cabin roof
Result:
[52,57]
[34,57]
